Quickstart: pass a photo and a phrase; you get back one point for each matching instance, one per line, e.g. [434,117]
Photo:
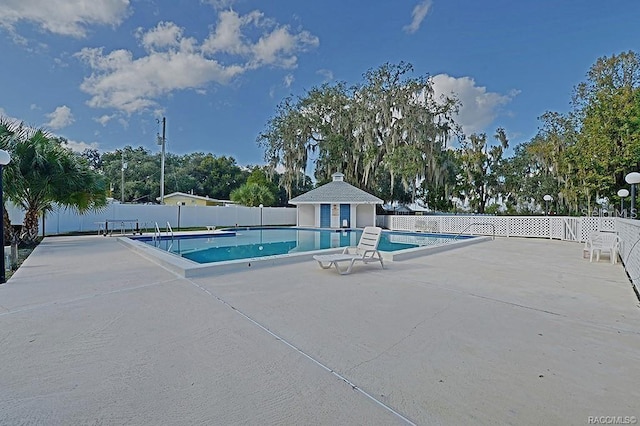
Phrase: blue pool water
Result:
[247,243]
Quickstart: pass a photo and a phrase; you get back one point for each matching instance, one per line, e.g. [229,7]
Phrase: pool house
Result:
[336,204]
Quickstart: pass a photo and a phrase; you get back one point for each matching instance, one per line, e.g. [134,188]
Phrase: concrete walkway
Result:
[512,331]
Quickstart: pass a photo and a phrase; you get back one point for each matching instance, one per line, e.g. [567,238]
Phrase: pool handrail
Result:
[493,227]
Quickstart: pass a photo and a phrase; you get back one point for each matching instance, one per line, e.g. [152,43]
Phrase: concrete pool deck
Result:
[511,331]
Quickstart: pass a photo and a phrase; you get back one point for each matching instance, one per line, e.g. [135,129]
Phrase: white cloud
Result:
[288,80]
[81,146]
[479,107]
[119,81]
[60,118]
[63,17]
[165,34]
[228,37]
[276,46]
[326,74]
[418,14]
[73,145]
[219,4]
[104,119]
[175,62]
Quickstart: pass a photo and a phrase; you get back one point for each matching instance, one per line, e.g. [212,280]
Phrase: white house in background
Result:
[336,204]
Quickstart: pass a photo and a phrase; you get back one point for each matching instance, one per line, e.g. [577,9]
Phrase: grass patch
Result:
[24,250]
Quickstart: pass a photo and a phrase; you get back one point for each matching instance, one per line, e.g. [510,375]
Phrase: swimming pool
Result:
[251,243]
[185,267]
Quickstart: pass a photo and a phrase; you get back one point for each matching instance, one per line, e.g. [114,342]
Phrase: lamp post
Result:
[546,199]
[622,193]
[4,160]
[180,204]
[260,247]
[124,166]
[161,141]
[632,179]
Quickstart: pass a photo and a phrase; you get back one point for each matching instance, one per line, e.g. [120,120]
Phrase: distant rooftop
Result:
[196,197]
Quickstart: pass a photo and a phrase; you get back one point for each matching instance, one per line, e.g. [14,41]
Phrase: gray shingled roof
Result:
[336,192]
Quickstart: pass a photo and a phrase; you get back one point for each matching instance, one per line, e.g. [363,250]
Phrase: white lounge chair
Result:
[599,242]
[365,252]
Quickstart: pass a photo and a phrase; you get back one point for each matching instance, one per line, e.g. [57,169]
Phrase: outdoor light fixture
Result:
[124,167]
[4,160]
[622,193]
[260,247]
[162,141]
[632,179]
[546,199]
[179,204]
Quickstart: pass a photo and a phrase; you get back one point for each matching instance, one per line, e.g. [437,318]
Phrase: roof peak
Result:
[336,192]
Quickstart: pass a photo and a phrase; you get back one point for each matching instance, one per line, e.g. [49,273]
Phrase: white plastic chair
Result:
[603,242]
[365,252]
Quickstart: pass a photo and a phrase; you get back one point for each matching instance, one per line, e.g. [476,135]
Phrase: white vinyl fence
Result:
[62,221]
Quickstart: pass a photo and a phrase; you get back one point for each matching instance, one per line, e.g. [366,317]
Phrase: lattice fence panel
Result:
[455,224]
[555,227]
[608,224]
[530,227]
[447,224]
[403,223]
[501,225]
[589,225]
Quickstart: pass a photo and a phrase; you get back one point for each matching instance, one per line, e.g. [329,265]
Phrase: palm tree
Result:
[43,172]
[9,130]
[252,195]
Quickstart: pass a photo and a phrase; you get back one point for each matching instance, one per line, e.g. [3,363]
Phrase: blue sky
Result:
[102,72]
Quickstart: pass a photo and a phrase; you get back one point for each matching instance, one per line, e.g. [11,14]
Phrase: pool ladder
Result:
[157,235]
[493,227]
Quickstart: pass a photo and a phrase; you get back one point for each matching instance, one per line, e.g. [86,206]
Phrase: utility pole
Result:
[162,141]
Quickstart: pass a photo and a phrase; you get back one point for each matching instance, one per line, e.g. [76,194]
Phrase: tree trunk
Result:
[30,229]
[8,230]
